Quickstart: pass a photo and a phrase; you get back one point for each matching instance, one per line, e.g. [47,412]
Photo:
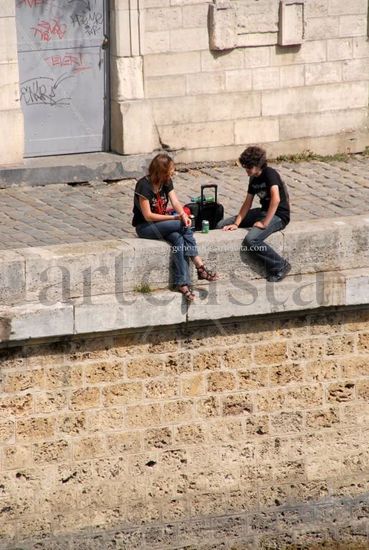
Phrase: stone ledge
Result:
[112,285]
[295,293]
[62,273]
[223,299]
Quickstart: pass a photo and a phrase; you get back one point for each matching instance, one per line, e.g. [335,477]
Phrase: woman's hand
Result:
[231,227]
[185,219]
[179,208]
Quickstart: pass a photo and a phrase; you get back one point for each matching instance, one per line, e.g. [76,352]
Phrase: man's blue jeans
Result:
[180,238]
[254,243]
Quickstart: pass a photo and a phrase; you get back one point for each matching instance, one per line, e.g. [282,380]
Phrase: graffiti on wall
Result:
[62,76]
[44,90]
[49,30]
[74,60]
[31,3]
[90,23]
[86,17]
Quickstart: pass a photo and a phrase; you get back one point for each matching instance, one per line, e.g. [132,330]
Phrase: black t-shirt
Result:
[260,186]
[158,201]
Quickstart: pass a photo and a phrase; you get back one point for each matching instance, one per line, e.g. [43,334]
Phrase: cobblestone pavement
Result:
[55,214]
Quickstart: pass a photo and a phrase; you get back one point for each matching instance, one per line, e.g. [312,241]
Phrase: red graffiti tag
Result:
[32,3]
[68,60]
[46,30]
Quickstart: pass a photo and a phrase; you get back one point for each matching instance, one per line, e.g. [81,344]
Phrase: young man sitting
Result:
[272,216]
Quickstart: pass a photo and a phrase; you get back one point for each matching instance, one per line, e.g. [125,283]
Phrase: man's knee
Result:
[251,241]
[226,221]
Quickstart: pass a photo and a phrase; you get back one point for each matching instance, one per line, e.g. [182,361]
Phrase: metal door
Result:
[62,51]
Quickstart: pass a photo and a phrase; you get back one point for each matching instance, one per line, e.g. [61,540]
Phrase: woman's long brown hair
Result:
[159,169]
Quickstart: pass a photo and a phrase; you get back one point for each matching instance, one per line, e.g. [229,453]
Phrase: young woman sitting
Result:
[151,221]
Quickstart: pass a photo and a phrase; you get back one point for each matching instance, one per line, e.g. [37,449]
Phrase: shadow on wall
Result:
[5,329]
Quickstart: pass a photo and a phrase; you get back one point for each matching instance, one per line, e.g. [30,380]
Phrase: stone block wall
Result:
[251,434]
[11,118]
[209,104]
[205,86]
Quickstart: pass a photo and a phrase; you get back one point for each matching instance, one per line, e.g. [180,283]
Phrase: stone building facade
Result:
[204,79]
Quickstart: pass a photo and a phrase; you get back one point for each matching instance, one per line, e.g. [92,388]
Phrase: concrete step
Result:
[76,168]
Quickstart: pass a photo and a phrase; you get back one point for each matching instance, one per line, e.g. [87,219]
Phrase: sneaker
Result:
[279,275]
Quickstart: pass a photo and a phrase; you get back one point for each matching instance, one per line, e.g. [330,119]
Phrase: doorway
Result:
[63,66]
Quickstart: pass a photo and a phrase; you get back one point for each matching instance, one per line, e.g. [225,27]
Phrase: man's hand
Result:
[231,227]
[260,225]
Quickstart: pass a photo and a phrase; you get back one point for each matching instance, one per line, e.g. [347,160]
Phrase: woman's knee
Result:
[145,233]
[187,233]
[176,239]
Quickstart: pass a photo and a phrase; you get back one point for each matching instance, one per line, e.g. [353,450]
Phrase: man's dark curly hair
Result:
[253,156]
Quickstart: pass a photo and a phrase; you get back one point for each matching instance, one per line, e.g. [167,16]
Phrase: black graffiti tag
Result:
[89,22]
[43,90]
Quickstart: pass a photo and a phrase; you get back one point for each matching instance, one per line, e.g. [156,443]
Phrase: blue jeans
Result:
[180,238]
[254,244]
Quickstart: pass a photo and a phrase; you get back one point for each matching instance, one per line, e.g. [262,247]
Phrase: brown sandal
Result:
[206,274]
[187,292]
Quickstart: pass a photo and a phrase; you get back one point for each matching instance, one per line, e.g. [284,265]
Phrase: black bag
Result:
[211,211]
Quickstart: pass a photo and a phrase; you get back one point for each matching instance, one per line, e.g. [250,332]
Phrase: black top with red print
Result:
[260,186]
[158,201]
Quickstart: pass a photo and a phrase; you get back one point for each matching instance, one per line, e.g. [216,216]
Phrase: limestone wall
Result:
[251,434]
[11,118]
[218,82]
[205,79]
